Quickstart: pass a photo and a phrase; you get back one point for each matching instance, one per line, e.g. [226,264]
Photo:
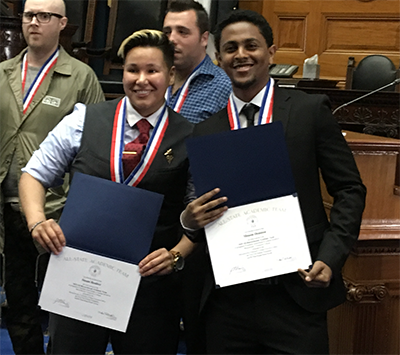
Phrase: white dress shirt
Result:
[257,100]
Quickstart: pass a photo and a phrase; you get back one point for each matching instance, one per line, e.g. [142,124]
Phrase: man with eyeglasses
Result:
[38,88]
[42,17]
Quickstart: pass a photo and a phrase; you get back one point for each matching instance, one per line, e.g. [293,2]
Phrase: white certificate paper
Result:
[90,288]
[257,241]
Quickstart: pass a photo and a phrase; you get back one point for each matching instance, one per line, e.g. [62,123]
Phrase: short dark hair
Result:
[203,22]
[245,16]
[149,38]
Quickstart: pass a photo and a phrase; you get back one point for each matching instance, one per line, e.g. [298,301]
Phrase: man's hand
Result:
[200,212]
[319,276]
[159,262]
[50,236]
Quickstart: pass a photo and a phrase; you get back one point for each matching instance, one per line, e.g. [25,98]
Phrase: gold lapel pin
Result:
[169,156]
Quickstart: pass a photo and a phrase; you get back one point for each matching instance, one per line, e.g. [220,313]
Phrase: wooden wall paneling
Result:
[363,34]
[291,37]
[313,29]
[256,5]
[356,35]
[381,216]
[369,321]
[288,26]
[293,26]
[334,30]
[377,162]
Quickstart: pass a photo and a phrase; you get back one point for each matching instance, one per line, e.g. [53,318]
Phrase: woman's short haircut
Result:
[149,38]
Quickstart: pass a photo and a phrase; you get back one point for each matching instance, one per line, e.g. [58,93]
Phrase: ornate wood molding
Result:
[376,250]
[11,38]
[375,121]
[377,152]
[365,293]
[377,114]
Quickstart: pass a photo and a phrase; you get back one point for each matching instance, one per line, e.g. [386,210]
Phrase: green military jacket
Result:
[68,82]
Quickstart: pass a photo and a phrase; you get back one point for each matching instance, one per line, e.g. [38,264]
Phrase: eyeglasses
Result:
[42,17]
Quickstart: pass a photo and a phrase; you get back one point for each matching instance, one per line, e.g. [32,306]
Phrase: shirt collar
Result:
[63,65]
[256,100]
[205,67]
[132,116]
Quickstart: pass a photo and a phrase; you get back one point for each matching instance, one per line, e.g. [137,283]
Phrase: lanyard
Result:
[117,145]
[44,70]
[265,115]
[183,91]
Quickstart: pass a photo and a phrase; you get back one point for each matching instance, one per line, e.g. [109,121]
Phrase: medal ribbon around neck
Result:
[183,91]
[44,70]
[265,115]
[117,146]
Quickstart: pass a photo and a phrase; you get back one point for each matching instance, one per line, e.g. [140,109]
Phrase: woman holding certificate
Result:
[137,141]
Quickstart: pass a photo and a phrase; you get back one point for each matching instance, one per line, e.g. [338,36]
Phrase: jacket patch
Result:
[51,101]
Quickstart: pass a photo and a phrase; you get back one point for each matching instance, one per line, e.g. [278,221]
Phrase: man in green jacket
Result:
[38,88]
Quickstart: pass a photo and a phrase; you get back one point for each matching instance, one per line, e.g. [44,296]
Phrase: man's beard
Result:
[243,85]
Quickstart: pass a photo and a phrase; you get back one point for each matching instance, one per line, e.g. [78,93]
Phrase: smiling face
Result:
[190,46]
[146,78]
[245,57]
[44,36]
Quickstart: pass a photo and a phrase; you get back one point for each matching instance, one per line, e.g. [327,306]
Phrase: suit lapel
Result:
[165,148]
[222,124]
[282,105]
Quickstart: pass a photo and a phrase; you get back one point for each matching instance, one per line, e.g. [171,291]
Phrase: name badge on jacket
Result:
[51,101]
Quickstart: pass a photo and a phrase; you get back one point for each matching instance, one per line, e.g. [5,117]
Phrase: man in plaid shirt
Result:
[201,88]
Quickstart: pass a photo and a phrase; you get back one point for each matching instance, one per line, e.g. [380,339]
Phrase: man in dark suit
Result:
[284,314]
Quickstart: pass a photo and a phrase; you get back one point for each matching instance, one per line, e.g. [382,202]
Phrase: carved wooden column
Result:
[368,322]
[11,39]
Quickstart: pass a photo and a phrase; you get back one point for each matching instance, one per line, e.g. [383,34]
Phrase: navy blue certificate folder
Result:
[248,165]
[110,219]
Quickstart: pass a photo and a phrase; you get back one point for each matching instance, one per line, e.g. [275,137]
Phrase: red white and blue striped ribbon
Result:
[44,70]
[265,115]
[183,91]
[117,146]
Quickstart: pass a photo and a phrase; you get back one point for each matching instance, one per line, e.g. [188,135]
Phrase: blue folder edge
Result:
[110,219]
[248,165]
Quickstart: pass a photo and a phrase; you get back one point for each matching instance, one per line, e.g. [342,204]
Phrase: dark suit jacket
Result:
[315,145]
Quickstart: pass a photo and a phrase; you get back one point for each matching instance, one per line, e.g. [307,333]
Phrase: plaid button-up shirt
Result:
[208,93]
